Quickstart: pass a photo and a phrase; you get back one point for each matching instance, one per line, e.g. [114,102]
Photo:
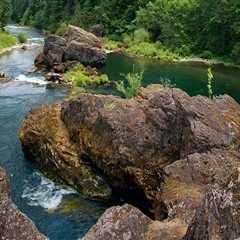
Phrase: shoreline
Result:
[184,60]
[18,46]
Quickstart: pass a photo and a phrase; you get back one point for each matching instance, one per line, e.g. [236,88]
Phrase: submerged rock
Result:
[159,151]
[13,223]
[127,222]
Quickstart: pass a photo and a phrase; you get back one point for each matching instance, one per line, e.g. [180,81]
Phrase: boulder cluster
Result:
[75,45]
[173,156]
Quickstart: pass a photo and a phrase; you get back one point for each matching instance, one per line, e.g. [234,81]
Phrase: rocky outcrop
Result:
[159,151]
[13,223]
[76,45]
[49,141]
[127,222]
[217,217]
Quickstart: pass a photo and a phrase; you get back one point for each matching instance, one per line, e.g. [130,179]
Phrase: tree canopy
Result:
[207,26]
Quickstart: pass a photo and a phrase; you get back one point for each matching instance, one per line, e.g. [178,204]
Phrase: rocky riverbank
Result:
[13,223]
[167,153]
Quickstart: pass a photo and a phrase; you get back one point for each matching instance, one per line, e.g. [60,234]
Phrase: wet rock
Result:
[127,222]
[49,141]
[158,151]
[40,62]
[97,30]
[3,77]
[13,223]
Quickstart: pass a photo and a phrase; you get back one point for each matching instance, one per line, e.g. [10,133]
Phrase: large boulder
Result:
[13,223]
[84,53]
[79,35]
[158,151]
[76,45]
[127,222]
[49,141]
[54,48]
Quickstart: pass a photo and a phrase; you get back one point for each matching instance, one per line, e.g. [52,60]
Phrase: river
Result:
[58,211]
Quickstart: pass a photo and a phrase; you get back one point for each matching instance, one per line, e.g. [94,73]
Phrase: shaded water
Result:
[191,78]
[58,211]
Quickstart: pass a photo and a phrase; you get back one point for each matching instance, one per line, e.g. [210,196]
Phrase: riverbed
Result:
[58,211]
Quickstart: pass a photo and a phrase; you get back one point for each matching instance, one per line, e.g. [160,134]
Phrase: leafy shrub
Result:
[22,37]
[151,50]
[103,78]
[166,83]
[110,44]
[210,83]
[133,85]
[206,55]
[81,78]
[141,35]
[62,29]
[126,38]
[6,40]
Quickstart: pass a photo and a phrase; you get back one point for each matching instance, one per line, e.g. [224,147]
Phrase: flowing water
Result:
[58,211]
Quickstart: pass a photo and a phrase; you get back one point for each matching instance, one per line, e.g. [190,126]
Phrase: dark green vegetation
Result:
[22,37]
[205,28]
[5,12]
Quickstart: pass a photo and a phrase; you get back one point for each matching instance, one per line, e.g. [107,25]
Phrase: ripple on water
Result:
[40,191]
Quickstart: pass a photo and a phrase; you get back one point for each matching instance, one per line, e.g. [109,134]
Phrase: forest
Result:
[208,28]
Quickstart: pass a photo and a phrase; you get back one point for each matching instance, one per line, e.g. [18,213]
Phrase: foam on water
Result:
[40,191]
[33,79]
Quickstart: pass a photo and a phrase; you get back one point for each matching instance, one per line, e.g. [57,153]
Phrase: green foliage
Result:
[206,54]
[22,37]
[133,85]
[141,35]
[167,83]
[81,78]
[62,29]
[110,44]
[208,28]
[151,50]
[210,83]
[6,40]
[5,12]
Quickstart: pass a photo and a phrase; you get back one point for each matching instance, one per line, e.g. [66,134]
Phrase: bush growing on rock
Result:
[134,83]
[82,76]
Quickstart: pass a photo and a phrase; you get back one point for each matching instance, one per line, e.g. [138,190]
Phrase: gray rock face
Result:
[128,223]
[81,36]
[159,151]
[13,223]
[217,217]
[54,48]
[84,53]
[76,45]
